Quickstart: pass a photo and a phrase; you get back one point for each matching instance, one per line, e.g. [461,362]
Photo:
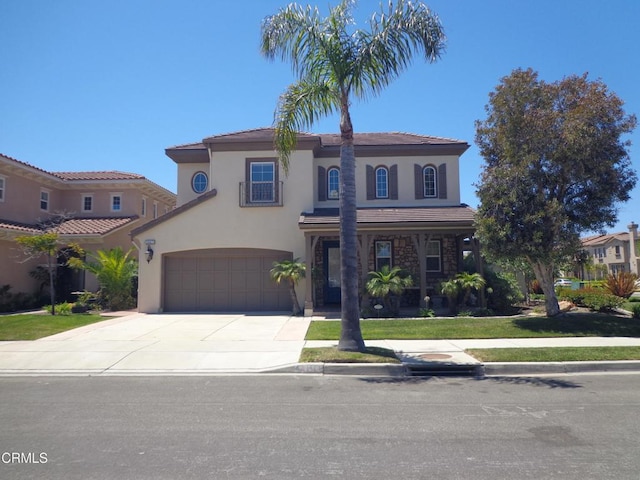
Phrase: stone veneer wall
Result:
[405,256]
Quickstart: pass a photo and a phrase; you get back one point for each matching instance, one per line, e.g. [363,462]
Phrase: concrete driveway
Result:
[163,343]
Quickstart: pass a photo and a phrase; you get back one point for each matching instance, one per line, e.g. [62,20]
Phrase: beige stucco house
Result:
[615,252]
[101,210]
[238,212]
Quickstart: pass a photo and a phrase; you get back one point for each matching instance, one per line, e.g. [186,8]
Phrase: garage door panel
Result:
[224,280]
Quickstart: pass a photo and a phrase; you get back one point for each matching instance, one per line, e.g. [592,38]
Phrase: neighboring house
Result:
[101,209]
[238,213]
[613,252]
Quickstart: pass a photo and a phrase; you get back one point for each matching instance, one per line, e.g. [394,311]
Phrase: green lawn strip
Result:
[555,354]
[34,326]
[568,325]
[333,355]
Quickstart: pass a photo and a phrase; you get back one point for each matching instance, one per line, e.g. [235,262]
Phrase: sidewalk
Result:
[205,344]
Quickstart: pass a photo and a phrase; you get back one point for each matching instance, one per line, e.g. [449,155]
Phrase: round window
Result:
[199,182]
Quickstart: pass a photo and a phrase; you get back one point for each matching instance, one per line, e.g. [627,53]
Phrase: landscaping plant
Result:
[290,271]
[621,284]
[388,284]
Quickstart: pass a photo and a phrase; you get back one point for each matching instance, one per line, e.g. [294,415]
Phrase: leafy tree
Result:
[555,167]
[335,64]
[290,271]
[115,271]
[386,282]
[43,245]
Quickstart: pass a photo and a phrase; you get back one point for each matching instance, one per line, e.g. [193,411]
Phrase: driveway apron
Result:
[163,344]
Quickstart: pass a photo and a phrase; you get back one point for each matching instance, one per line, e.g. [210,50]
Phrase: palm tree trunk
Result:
[351,336]
[294,298]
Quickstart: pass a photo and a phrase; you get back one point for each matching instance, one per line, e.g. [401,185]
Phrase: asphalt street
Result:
[285,426]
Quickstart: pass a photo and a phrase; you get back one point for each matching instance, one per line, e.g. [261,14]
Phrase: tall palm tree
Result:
[290,271]
[335,63]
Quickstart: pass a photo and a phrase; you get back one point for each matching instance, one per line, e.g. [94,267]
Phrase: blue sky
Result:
[95,85]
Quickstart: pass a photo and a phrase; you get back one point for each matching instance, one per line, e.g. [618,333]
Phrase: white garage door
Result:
[223,280]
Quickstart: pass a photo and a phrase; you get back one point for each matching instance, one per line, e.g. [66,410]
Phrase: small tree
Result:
[451,290]
[555,167]
[115,271]
[388,282]
[290,271]
[43,245]
[468,282]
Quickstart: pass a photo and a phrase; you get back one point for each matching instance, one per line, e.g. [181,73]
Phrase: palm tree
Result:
[335,63]
[386,282]
[115,271]
[290,271]
[469,281]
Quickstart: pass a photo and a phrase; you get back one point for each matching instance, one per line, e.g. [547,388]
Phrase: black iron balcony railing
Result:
[261,194]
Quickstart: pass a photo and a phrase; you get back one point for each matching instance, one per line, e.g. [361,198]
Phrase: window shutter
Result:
[442,180]
[371,183]
[247,183]
[419,181]
[322,184]
[276,182]
[393,182]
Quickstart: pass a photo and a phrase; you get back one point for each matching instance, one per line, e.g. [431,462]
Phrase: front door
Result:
[331,272]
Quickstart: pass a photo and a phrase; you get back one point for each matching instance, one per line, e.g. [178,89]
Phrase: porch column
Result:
[310,242]
[364,244]
[420,243]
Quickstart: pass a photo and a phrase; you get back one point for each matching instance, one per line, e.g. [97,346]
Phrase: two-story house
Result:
[615,252]
[100,209]
[238,213]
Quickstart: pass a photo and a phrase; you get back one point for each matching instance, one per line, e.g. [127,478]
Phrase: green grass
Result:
[555,354]
[333,355]
[570,325]
[34,326]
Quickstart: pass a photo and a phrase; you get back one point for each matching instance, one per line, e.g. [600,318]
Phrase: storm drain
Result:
[436,364]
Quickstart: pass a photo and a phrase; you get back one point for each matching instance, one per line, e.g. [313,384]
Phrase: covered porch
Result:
[428,243]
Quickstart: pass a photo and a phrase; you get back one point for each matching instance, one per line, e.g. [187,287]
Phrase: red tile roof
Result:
[110,175]
[74,226]
[596,240]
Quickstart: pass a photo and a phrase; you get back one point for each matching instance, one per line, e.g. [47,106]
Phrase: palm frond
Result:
[387,49]
[298,109]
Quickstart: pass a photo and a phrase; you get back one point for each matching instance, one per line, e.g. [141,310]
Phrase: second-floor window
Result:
[44,200]
[87,203]
[199,182]
[116,202]
[262,182]
[333,184]
[382,183]
[430,181]
[2,188]
[143,208]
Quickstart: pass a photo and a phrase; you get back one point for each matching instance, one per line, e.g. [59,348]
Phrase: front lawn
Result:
[555,354]
[34,326]
[568,325]
[333,355]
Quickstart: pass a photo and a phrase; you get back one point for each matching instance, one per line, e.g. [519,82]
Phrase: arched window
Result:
[382,182]
[333,184]
[199,182]
[429,177]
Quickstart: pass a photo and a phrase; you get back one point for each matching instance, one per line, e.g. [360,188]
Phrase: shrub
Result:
[63,308]
[503,291]
[593,299]
[635,311]
[621,284]
[15,302]
[534,287]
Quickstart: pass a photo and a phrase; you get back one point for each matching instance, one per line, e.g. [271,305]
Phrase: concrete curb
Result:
[357,369]
[535,368]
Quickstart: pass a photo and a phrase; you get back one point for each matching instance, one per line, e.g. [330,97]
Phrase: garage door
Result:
[224,280]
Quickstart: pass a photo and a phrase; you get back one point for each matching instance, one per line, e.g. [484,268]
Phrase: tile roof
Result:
[463,215]
[595,240]
[74,226]
[18,227]
[108,175]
